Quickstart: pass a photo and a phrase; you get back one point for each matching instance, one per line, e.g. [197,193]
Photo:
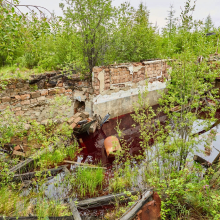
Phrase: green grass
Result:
[14,72]
[88,181]
[58,155]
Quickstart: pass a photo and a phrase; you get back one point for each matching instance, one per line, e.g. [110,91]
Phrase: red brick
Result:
[25,102]
[44,92]
[77,120]
[71,120]
[25,97]
[6,99]
[73,125]
[17,147]
[97,69]
[18,97]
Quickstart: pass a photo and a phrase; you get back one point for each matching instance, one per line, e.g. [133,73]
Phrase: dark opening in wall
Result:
[79,106]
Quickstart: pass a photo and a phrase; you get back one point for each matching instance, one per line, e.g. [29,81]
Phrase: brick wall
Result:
[42,96]
[120,75]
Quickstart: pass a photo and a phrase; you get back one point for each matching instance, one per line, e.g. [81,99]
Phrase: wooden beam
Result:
[132,212]
[83,164]
[74,211]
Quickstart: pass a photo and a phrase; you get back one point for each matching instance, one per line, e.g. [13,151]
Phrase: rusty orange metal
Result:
[151,210]
[111,145]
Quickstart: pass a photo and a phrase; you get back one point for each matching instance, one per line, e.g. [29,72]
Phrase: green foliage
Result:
[87,181]
[10,126]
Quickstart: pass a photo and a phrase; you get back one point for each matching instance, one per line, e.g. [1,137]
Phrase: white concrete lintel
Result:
[133,91]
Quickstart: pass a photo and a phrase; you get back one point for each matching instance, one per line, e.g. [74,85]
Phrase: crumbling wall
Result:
[113,89]
[43,96]
[116,87]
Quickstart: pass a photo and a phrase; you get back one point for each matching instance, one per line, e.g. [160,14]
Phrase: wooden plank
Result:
[202,161]
[30,159]
[132,212]
[30,175]
[105,200]
[74,211]
[50,218]
[83,164]
[216,160]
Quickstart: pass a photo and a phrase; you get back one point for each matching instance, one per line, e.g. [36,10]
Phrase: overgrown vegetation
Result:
[93,32]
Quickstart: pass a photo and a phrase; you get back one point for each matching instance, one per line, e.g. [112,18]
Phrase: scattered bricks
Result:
[52,92]
[33,101]
[44,92]
[73,125]
[19,113]
[26,102]
[78,114]
[93,128]
[17,148]
[35,95]
[85,114]
[6,99]
[60,90]
[77,120]
[71,120]
[42,98]
[18,153]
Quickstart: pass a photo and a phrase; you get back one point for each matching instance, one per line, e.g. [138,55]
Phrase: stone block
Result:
[6,99]
[33,101]
[25,97]
[52,92]
[60,90]
[18,97]
[35,95]
[42,98]
[44,92]
[19,113]
[26,102]
[17,109]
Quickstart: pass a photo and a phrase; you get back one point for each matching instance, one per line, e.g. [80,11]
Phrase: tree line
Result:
[94,32]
